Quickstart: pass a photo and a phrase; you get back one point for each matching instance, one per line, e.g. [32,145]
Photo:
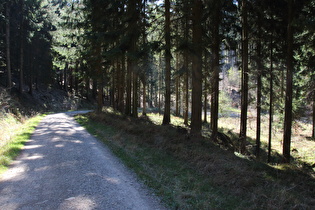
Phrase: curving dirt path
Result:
[64,167]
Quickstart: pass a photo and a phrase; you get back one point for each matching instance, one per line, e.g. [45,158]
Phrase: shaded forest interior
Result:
[248,64]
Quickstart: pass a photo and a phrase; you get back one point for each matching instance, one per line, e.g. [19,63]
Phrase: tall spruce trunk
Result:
[113,86]
[120,83]
[167,31]
[245,72]
[259,87]
[65,77]
[128,88]
[186,65]
[8,45]
[289,87]
[186,86]
[21,73]
[313,131]
[205,101]
[215,69]
[177,88]
[134,93]
[196,121]
[270,100]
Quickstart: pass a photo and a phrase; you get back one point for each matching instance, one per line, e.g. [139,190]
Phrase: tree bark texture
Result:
[21,75]
[8,45]
[259,87]
[167,30]
[270,101]
[245,72]
[196,121]
[289,87]
[216,71]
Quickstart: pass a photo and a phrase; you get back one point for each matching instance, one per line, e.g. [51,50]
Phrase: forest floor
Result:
[195,173]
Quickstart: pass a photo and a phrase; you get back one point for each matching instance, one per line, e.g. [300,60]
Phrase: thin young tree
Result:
[245,76]
[8,45]
[21,47]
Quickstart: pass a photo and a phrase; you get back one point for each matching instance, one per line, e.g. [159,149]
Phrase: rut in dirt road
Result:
[64,167]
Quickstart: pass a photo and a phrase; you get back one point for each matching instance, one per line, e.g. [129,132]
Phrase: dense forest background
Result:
[197,59]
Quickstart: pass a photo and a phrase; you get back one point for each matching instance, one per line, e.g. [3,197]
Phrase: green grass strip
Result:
[179,186]
[12,148]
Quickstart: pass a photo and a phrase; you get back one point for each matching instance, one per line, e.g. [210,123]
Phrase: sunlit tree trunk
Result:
[205,101]
[313,131]
[270,100]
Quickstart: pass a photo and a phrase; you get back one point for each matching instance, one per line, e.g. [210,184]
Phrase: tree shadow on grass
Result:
[229,172]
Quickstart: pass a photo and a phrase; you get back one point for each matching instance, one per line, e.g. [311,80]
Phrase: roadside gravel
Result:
[64,167]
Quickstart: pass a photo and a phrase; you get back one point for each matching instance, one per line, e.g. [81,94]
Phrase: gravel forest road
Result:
[64,167]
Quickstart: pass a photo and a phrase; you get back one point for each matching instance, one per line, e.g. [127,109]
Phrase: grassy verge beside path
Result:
[191,173]
[14,134]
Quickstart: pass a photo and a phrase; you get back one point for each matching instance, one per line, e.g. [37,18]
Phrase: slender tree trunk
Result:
[186,64]
[128,88]
[65,71]
[177,84]
[22,47]
[313,131]
[160,84]
[270,100]
[259,87]
[135,94]
[215,69]
[205,94]
[30,79]
[289,87]
[8,46]
[121,84]
[245,72]
[167,30]
[113,87]
[100,94]
[94,89]
[196,121]
[76,79]
[144,93]
[87,88]
[186,84]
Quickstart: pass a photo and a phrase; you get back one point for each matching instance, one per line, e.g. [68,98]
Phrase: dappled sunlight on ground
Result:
[64,167]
